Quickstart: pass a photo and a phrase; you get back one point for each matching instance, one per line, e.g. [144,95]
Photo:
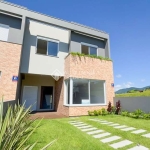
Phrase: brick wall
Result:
[9,65]
[59,98]
[89,68]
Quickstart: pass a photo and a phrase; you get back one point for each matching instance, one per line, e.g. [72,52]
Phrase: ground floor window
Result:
[84,92]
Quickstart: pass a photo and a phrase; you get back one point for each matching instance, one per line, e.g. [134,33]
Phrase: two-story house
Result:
[52,64]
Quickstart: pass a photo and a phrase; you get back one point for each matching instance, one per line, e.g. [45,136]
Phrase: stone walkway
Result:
[123,127]
[105,137]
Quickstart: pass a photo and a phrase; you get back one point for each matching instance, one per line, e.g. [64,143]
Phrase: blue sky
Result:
[126,21]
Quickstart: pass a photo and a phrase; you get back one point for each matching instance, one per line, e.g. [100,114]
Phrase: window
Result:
[4,31]
[80,91]
[47,47]
[84,92]
[88,49]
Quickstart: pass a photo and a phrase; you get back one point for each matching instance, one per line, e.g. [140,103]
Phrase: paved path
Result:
[106,137]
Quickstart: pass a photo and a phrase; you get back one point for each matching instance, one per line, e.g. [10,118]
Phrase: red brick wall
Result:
[9,65]
[59,98]
[89,68]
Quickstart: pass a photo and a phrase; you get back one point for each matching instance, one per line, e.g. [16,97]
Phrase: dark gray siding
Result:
[77,39]
[15,32]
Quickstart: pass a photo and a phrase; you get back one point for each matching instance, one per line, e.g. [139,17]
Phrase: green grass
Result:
[136,94]
[70,138]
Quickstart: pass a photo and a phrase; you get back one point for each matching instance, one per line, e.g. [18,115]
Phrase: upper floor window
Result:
[88,49]
[47,46]
[4,31]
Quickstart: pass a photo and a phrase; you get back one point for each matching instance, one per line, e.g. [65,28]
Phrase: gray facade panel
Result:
[47,19]
[77,39]
[15,32]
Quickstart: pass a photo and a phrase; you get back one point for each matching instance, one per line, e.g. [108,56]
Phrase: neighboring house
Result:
[36,65]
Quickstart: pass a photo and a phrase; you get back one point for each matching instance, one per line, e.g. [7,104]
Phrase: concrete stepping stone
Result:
[72,121]
[115,124]
[121,144]
[83,127]
[110,139]
[95,132]
[94,119]
[119,127]
[76,123]
[88,129]
[103,121]
[102,135]
[138,131]
[106,123]
[146,135]
[139,148]
[128,129]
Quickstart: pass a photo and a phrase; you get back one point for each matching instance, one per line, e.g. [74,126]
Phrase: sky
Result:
[128,25]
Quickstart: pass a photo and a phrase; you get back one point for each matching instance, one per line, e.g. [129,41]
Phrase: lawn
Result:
[70,138]
[136,94]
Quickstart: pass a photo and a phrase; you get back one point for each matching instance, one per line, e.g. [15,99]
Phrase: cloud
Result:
[118,87]
[128,84]
[119,76]
[124,85]
[142,80]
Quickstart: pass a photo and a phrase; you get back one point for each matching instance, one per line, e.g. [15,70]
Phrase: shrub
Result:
[113,109]
[90,113]
[118,107]
[99,112]
[109,109]
[104,112]
[96,113]
[125,113]
[146,116]
[16,128]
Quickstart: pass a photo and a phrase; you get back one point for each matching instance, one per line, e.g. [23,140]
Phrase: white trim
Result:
[87,105]
[47,39]
[104,84]
[89,84]
[71,91]
[90,45]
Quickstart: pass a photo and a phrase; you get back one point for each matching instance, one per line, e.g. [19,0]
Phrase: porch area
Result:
[47,115]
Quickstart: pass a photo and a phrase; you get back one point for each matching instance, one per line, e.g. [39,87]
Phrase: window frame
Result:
[89,45]
[48,40]
[82,105]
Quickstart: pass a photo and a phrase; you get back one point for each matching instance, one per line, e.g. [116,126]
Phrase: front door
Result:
[29,97]
[46,102]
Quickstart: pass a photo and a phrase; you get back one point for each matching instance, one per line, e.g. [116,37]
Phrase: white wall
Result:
[133,103]
[41,64]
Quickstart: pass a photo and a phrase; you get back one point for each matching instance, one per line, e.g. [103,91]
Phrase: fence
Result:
[132,103]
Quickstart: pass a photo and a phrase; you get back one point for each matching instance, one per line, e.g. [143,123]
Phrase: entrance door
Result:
[46,98]
[30,97]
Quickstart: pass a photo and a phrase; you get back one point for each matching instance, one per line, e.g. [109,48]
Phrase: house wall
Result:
[9,66]
[41,64]
[59,98]
[90,68]
[76,39]
[132,103]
